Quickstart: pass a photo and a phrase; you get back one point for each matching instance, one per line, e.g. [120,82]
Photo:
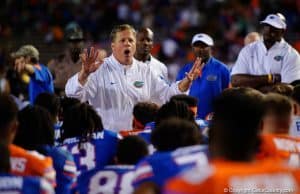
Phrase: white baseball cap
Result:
[275,20]
[203,38]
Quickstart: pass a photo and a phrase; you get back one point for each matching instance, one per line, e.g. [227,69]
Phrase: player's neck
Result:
[143,57]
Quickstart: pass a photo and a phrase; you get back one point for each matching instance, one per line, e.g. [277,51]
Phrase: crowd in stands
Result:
[173,21]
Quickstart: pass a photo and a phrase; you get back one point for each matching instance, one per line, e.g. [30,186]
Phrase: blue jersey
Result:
[214,79]
[40,81]
[57,133]
[161,166]
[113,179]
[97,152]
[64,165]
[146,133]
[203,125]
[24,184]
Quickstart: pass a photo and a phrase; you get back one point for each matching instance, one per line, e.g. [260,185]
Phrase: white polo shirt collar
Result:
[115,64]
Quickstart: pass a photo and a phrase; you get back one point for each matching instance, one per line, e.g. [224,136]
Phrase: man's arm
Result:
[254,81]
[21,66]
[89,64]
[75,85]
[295,83]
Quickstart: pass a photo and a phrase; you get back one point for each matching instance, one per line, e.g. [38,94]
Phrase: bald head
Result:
[144,44]
[251,37]
[145,30]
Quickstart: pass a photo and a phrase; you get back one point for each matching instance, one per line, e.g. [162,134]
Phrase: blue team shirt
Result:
[57,133]
[97,152]
[161,166]
[41,81]
[214,79]
[113,179]
[23,184]
[146,133]
[64,165]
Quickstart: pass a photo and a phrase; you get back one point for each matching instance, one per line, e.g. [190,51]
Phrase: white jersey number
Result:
[110,181]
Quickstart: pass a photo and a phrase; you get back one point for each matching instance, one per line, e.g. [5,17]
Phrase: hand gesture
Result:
[89,61]
[89,64]
[196,70]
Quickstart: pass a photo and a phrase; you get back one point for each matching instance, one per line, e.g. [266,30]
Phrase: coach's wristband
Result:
[270,78]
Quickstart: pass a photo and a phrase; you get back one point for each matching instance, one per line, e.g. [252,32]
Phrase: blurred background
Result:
[174,22]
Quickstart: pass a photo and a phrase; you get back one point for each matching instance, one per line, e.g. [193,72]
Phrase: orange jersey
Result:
[125,133]
[31,163]
[282,147]
[234,177]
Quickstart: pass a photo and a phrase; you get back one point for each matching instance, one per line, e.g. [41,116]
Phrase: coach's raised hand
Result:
[193,74]
[89,64]
[196,70]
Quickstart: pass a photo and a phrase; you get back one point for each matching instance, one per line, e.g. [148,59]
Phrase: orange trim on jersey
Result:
[125,133]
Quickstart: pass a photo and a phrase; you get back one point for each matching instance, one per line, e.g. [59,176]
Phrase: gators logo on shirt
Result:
[211,78]
[278,58]
[138,84]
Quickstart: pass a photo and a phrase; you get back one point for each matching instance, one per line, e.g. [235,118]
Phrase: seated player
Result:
[36,133]
[176,142]
[295,126]
[143,114]
[83,135]
[276,141]
[234,140]
[192,102]
[23,162]
[51,103]
[115,178]
[19,184]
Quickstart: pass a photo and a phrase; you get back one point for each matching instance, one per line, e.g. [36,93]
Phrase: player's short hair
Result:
[145,112]
[8,112]
[49,101]
[5,156]
[278,105]
[65,104]
[235,125]
[120,28]
[283,89]
[189,100]
[279,110]
[35,128]
[131,149]
[174,133]
[176,109]
[80,120]
[296,94]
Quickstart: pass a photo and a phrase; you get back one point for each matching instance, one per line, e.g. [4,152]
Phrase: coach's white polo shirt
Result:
[113,90]
[281,58]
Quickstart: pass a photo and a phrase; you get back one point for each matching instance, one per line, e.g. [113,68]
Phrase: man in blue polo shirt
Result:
[215,76]
[26,61]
